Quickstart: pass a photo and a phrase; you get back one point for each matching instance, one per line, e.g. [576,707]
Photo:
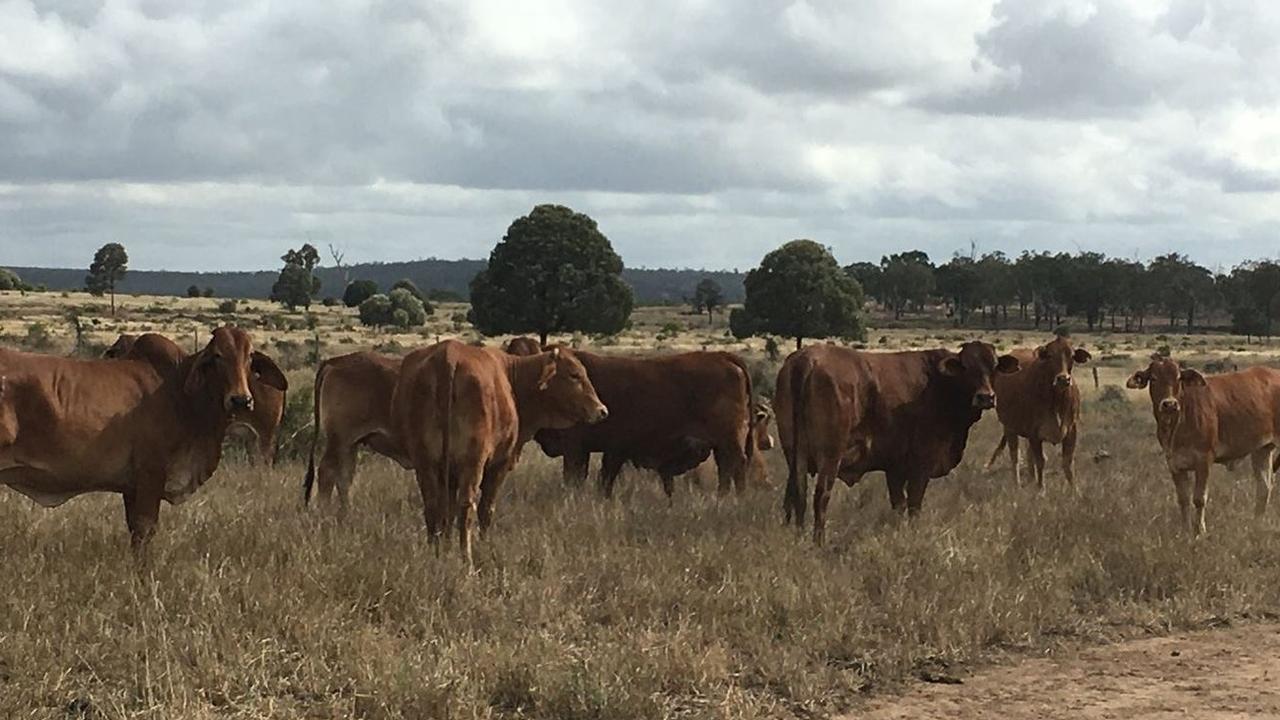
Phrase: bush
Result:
[193,292]
[376,310]
[358,291]
[38,337]
[330,301]
[9,280]
[208,292]
[227,307]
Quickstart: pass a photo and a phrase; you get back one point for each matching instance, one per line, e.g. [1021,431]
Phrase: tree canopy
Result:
[297,285]
[800,291]
[708,297]
[110,263]
[358,291]
[553,271]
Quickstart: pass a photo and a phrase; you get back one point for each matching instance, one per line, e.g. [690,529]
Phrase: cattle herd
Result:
[148,421]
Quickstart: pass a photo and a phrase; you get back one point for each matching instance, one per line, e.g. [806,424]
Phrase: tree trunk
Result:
[112,289]
[798,339]
[542,337]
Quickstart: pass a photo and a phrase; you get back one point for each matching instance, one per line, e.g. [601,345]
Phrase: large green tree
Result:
[108,268]
[554,271]
[297,284]
[800,291]
[906,278]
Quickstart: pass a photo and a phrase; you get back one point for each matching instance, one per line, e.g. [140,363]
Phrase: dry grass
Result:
[585,609]
[251,608]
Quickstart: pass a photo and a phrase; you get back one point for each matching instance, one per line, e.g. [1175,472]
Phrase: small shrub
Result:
[38,337]
[227,306]
[329,301]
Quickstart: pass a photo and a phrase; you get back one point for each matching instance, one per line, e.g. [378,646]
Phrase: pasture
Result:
[581,608]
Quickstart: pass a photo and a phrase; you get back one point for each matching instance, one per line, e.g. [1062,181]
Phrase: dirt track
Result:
[1208,675]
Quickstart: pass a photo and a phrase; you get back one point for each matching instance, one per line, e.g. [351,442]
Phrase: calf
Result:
[1041,402]
[70,426]
[1218,419]
[463,413]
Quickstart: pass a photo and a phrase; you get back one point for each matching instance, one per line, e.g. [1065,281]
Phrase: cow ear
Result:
[1138,380]
[951,366]
[548,370]
[1042,352]
[1008,364]
[1192,378]
[1081,356]
[267,371]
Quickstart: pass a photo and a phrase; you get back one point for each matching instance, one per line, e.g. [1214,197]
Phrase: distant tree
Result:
[906,278]
[398,308]
[870,277]
[707,297]
[294,288]
[554,271]
[358,291]
[1089,287]
[193,291]
[800,291]
[958,281]
[1252,295]
[415,310]
[207,292]
[407,284]
[996,285]
[9,280]
[440,295]
[109,266]
[297,284]
[1183,288]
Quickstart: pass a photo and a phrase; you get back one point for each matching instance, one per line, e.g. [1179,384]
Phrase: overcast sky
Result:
[213,135]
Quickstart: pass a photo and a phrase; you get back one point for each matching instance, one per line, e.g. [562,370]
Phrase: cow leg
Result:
[1013,442]
[916,487]
[1201,496]
[337,468]
[1069,455]
[610,467]
[489,488]
[141,512]
[731,464]
[469,481]
[1182,488]
[434,503]
[576,463]
[1262,479]
[822,487]
[897,485]
[267,448]
[1036,451]
[797,488]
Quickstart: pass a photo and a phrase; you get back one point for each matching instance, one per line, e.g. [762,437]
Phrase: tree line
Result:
[1044,289]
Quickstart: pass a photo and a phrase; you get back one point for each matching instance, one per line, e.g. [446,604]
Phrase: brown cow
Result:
[523,346]
[268,403]
[666,413]
[1041,402]
[352,408]
[464,413]
[843,413]
[1218,419]
[70,426]
[757,468]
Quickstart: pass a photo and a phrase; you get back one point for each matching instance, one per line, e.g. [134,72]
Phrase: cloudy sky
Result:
[214,134]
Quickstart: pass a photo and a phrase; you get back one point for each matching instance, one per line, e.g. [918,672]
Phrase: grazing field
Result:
[251,607]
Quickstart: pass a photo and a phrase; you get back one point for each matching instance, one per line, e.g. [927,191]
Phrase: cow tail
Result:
[445,425]
[275,439]
[309,480]
[750,449]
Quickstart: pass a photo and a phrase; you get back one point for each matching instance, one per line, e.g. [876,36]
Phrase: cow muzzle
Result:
[600,414]
[240,402]
[1062,381]
[984,400]
[1170,405]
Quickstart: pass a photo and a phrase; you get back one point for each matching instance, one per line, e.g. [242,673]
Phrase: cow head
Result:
[761,419]
[973,367]
[567,396]
[1057,360]
[1166,382]
[121,347]
[224,366]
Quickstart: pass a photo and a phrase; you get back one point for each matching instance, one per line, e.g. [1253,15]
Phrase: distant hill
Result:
[651,286]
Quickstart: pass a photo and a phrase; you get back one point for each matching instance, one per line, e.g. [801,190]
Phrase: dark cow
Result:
[666,413]
[843,413]
[1041,402]
[463,414]
[70,426]
[1218,419]
[352,409]
[263,421]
